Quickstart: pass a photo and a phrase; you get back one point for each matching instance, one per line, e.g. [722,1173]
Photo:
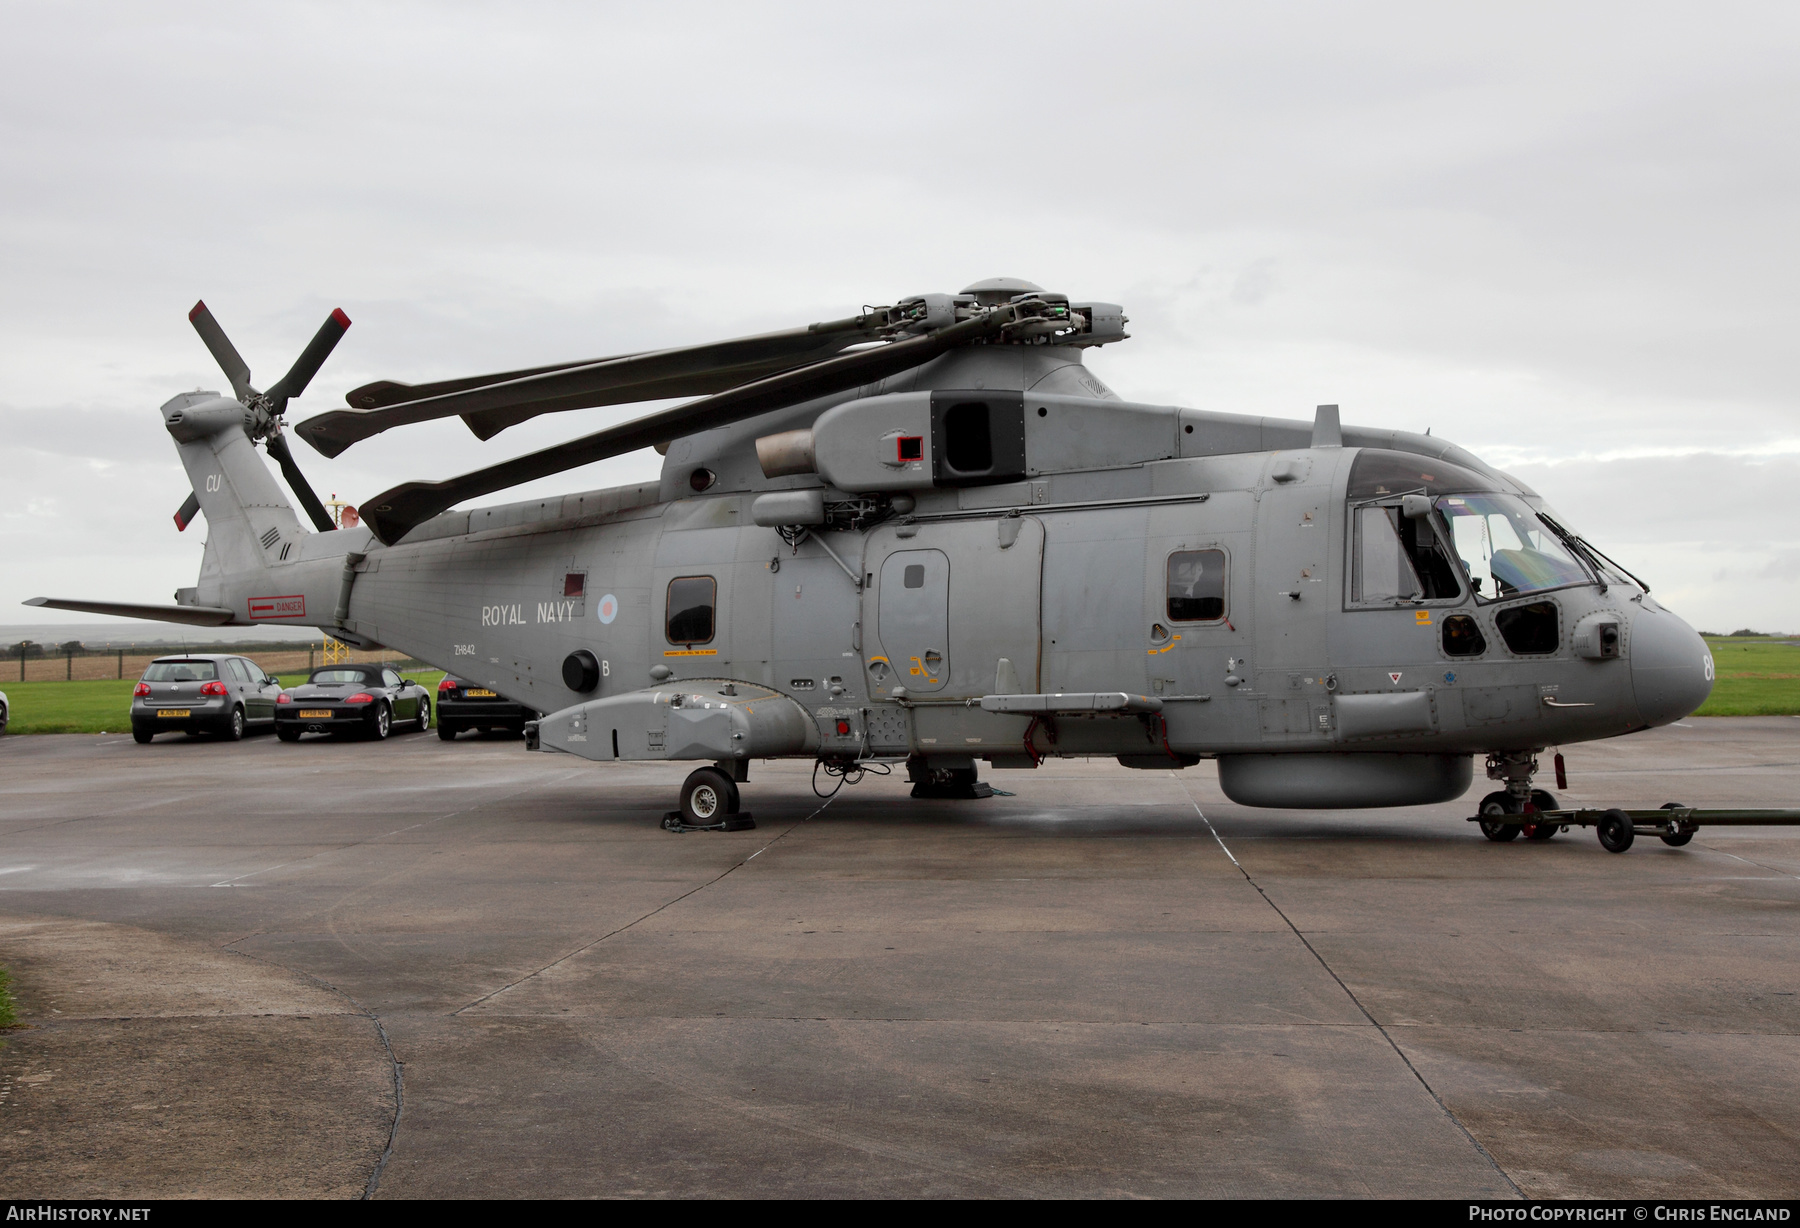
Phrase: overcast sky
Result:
[1563,236]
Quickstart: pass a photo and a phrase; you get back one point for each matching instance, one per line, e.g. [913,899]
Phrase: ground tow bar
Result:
[1673,824]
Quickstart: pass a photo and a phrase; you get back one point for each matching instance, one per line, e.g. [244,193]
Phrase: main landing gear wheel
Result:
[1615,831]
[1541,800]
[707,796]
[1498,804]
[1676,838]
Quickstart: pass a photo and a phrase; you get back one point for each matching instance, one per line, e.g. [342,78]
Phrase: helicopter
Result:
[928,535]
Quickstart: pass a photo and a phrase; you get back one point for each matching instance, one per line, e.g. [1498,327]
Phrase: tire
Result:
[234,726]
[141,736]
[1498,803]
[1676,839]
[287,733]
[707,796]
[446,732]
[424,721]
[382,724]
[1615,831]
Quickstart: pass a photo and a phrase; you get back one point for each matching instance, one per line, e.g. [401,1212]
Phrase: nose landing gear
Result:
[1516,768]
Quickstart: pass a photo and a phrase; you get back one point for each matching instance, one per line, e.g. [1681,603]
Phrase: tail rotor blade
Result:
[184,515]
[311,359]
[223,352]
[278,448]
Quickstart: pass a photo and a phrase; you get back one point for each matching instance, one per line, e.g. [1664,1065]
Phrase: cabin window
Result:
[690,609]
[574,583]
[913,576]
[1196,591]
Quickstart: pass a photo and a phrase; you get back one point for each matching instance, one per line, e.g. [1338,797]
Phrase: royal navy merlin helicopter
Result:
[928,534]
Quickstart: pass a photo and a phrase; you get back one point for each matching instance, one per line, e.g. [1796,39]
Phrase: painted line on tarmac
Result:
[1354,1000]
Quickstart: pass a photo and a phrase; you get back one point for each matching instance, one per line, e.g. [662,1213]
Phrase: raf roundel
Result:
[609,608]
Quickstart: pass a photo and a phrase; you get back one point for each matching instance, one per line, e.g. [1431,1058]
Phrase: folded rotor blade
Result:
[394,513]
[385,392]
[311,359]
[223,352]
[277,445]
[505,400]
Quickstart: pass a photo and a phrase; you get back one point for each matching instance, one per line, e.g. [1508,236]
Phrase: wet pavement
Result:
[1114,983]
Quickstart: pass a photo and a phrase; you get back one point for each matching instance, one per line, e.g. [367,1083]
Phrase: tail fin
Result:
[250,524]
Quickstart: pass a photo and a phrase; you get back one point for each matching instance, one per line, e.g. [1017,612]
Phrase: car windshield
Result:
[1505,548]
[343,677]
[181,671]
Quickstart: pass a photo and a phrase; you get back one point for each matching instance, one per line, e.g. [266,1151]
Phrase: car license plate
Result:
[174,712]
[476,692]
[315,714]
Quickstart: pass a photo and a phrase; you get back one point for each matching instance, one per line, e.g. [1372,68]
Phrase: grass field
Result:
[1754,677]
[104,707]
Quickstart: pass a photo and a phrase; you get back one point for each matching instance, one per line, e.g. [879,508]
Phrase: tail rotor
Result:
[267,407]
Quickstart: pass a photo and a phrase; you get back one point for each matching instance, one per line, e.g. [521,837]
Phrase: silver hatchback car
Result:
[203,693]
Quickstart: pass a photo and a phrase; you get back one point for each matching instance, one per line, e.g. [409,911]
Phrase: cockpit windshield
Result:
[1505,549]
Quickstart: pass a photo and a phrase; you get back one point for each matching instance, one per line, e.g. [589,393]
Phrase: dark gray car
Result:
[203,693]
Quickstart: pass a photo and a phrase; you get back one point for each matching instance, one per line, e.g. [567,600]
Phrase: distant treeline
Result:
[31,650]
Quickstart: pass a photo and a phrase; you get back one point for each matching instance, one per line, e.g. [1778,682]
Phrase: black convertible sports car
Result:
[469,705]
[361,700]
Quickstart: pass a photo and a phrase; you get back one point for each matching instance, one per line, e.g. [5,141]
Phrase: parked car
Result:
[5,712]
[203,693]
[469,705]
[365,700]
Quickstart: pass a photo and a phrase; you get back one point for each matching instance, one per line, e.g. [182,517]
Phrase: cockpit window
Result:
[1505,549]
[1399,558]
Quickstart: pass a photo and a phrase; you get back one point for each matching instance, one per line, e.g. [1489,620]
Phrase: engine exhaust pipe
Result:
[786,454]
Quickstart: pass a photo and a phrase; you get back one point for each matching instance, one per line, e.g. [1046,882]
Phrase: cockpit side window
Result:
[1398,558]
[1382,572]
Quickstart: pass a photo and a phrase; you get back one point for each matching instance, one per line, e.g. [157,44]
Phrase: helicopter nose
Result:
[1671,667]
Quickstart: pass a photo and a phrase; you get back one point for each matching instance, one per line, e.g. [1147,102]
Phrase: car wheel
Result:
[446,732]
[287,733]
[424,714]
[234,727]
[141,736]
[383,724]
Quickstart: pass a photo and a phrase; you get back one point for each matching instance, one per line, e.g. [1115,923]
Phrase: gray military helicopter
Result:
[927,534]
